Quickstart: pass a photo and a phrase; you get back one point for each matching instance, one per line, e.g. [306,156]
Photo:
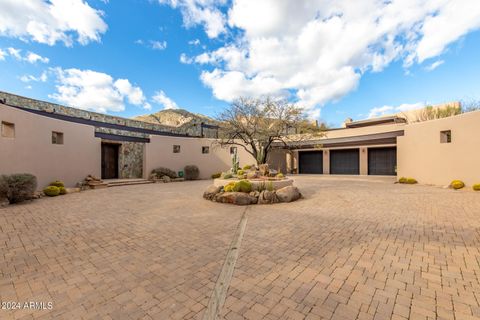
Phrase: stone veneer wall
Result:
[130,160]
[33,104]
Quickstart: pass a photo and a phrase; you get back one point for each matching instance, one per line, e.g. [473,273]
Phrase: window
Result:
[176,148]
[57,137]
[8,130]
[446,136]
[205,150]
[232,150]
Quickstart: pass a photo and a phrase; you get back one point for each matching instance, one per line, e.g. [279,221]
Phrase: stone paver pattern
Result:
[353,248]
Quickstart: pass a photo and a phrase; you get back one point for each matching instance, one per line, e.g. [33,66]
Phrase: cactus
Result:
[235,162]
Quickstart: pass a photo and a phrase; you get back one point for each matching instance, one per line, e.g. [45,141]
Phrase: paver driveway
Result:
[353,248]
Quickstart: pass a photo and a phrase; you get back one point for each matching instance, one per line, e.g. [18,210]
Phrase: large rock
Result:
[266,197]
[288,194]
[211,191]
[238,198]
[252,174]
[263,168]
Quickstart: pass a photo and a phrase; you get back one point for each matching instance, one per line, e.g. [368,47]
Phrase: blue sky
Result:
[134,57]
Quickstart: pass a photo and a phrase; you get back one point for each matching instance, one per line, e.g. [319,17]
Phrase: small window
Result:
[232,150]
[176,148]
[8,130]
[446,136]
[205,150]
[57,137]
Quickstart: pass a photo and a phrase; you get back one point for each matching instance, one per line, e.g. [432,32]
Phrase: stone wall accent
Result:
[130,160]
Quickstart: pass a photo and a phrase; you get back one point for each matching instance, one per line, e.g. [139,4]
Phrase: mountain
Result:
[175,118]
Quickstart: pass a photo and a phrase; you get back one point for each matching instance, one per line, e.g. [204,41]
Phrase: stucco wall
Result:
[159,153]
[32,151]
[423,157]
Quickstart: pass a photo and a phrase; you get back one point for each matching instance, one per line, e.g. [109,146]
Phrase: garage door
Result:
[345,161]
[382,161]
[311,162]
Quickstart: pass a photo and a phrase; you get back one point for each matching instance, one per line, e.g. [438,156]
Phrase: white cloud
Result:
[3,54]
[33,58]
[51,21]
[201,12]
[185,59]
[318,50]
[195,42]
[161,98]
[158,45]
[434,65]
[381,111]
[15,53]
[96,91]
[29,78]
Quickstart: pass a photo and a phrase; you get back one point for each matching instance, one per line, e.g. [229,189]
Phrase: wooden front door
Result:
[109,161]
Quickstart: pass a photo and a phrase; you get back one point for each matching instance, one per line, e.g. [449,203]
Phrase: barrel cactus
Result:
[51,191]
[457,184]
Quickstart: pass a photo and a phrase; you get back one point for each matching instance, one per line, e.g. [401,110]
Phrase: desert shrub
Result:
[62,190]
[229,187]
[243,186]
[21,187]
[280,175]
[3,187]
[191,172]
[247,167]
[240,173]
[51,191]
[402,180]
[411,181]
[476,187]
[216,175]
[57,183]
[226,175]
[457,184]
[161,171]
[269,186]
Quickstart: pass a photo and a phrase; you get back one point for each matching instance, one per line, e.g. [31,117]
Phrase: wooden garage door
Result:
[382,161]
[345,161]
[311,162]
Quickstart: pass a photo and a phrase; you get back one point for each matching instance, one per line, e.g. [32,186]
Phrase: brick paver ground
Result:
[352,249]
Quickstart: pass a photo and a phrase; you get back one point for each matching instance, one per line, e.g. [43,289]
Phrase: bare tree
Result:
[257,124]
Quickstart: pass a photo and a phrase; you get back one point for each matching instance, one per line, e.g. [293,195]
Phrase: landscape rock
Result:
[252,175]
[266,197]
[166,179]
[288,194]
[211,191]
[263,168]
[238,198]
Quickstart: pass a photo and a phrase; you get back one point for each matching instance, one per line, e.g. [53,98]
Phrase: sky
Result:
[335,59]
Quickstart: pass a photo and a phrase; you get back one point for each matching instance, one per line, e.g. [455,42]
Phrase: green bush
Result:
[3,187]
[457,184]
[240,173]
[476,187]
[247,167]
[57,183]
[191,172]
[62,190]
[161,171]
[411,181]
[280,175]
[20,187]
[51,191]
[216,175]
[243,186]
[227,175]
[402,180]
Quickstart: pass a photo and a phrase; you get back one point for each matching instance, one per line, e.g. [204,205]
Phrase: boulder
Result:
[263,168]
[266,197]
[166,179]
[288,194]
[238,198]
[211,191]
[252,174]
[272,172]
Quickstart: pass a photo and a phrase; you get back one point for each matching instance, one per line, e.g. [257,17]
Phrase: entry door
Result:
[382,161]
[109,161]
[310,162]
[345,161]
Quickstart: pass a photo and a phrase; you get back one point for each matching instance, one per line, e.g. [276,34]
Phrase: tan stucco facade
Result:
[422,156]
[32,151]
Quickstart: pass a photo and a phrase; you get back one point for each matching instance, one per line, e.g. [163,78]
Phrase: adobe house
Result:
[57,142]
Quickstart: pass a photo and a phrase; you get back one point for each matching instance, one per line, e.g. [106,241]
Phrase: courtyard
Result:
[353,248]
